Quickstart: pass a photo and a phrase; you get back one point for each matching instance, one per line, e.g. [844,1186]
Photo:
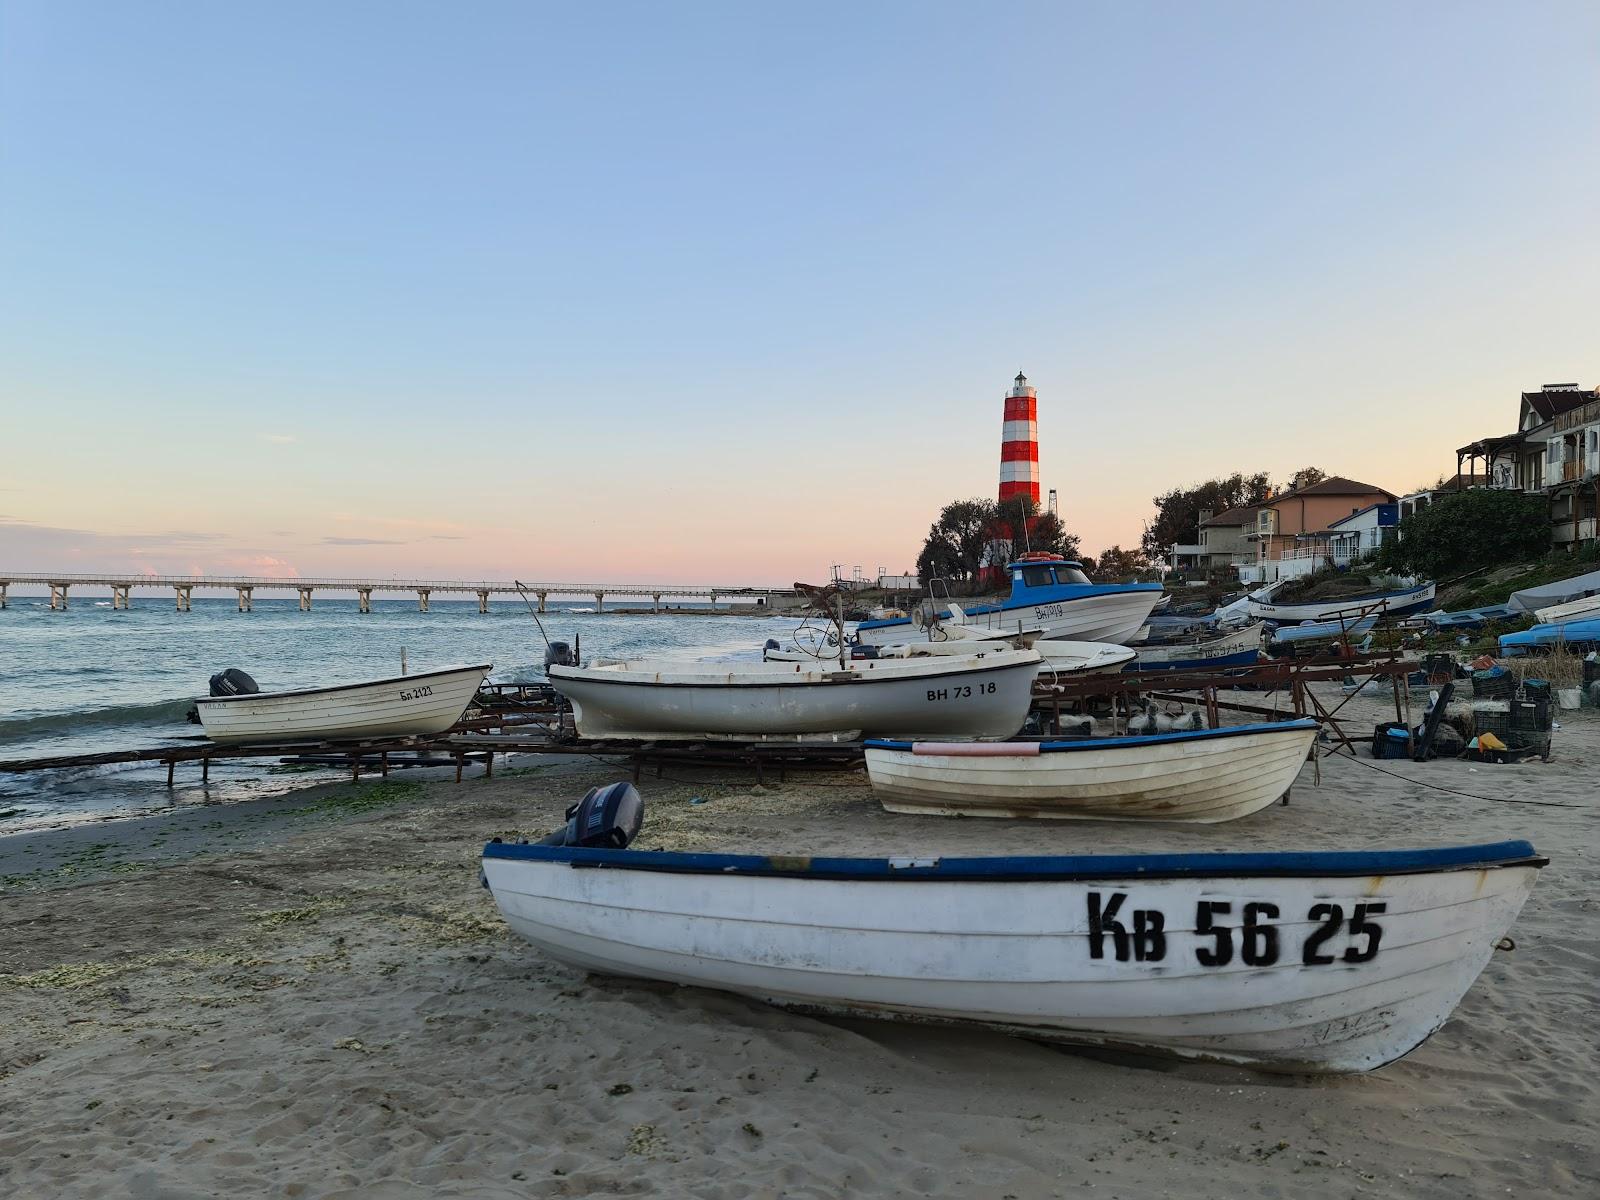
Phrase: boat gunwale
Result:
[1299,725]
[1308,864]
[559,675]
[345,687]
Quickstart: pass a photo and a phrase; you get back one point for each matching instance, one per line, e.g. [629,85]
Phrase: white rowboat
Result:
[1081,658]
[1202,776]
[415,705]
[1315,962]
[1398,603]
[982,694]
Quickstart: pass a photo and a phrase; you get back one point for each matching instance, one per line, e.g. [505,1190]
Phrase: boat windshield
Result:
[1070,575]
[1034,577]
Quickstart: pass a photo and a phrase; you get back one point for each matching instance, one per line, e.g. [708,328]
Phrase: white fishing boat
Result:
[1294,962]
[1240,648]
[1050,597]
[1397,603]
[1204,776]
[1081,658]
[983,694]
[415,705]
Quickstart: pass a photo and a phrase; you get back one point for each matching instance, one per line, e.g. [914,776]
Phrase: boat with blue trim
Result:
[1311,631]
[1207,652]
[1050,597]
[1318,962]
[1203,776]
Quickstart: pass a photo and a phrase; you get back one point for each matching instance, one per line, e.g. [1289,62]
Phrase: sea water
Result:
[93,678]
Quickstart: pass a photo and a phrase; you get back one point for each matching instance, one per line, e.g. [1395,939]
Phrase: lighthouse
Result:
[1019,442]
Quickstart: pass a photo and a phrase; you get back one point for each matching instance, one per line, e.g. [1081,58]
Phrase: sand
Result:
[312,996]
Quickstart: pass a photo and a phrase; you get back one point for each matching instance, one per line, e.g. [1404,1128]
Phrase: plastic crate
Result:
[1489,686]
[1530,715]
[1391,740]
[1497,723]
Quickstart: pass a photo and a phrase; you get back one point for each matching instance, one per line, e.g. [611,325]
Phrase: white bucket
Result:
[1569,698]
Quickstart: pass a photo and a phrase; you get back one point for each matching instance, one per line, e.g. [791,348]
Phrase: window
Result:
[1036,577]
[1071,575]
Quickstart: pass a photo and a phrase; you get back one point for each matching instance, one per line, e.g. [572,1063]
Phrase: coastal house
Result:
[1555,451]
[1223,544]
[1292,534]
[1362,533]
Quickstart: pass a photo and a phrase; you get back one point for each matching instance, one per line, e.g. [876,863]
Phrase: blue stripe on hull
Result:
[1243,658]
[1314,864]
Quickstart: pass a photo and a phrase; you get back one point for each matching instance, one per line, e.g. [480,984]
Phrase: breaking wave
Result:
[118,716]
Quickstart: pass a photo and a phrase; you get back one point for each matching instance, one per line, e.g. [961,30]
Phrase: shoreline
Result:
[311,995]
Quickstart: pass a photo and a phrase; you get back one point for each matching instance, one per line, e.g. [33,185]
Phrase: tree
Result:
[1020,523]
[1305,477]
[1462,531]
[1117,563]
[972,534]
[1177,518]
[956,542]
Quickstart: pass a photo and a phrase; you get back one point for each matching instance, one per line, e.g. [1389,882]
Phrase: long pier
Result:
[183,587]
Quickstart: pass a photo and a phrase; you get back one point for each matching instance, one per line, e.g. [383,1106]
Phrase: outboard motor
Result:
[607,818]
[772,644]
[559,654]
[233,682]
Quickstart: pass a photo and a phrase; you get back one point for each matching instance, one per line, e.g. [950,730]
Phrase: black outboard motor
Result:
[233,682]
[559,654]
[607,818]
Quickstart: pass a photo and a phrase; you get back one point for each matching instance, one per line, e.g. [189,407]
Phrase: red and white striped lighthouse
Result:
[1019,442]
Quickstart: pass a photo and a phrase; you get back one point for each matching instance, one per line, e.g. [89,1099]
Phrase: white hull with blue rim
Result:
[1310,631]
[417,705]
[984,694]
[1295,962]
[1399,603]
[1201,776]
[1050,597]
[1241,648]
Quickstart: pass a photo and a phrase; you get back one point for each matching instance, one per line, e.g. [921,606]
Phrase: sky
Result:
[729,293]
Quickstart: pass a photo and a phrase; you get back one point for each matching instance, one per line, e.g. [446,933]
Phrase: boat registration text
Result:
[961,691]
[416,693]
[1223,930]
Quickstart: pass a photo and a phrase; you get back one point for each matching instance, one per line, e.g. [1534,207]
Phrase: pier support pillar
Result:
[183,597]
[599,602]
[541,596]
[246,604]
[422,601]
[305,599]
[58,597]
[483,601]
[4,603]
[713,599]
[364,595]
[121,596]
[657,599]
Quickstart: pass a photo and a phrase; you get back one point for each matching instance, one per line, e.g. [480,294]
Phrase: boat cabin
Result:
[1045,571]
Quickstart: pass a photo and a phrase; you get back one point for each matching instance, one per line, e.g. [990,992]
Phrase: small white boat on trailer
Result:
[1081,658]
[416,705]
[981,694]
[1307,963]
[1201,776]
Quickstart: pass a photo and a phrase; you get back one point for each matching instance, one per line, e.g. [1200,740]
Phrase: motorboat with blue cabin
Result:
[1050,594]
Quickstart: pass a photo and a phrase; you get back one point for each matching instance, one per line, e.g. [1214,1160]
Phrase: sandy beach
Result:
[312,996]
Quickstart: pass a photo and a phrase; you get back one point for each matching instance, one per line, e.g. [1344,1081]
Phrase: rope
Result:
[1439,787]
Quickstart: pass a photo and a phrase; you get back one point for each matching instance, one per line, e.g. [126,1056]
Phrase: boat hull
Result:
[1115,616]
[403,706]
[1237,649]
[979,695]
[1312,630]
[1388,604]
[1203,777]
[1349,960]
